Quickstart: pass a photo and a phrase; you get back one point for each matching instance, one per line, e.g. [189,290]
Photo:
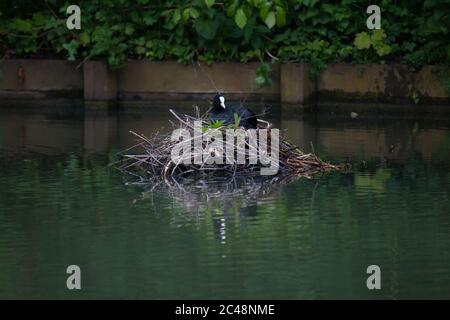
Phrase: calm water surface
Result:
[310,239]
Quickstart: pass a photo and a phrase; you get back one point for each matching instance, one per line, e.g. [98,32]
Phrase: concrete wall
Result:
[165,80]
[297,85]
[146,80]
[100,83]
[31,79]
[376,82]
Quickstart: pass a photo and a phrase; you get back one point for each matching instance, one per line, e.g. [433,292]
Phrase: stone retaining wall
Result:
[147,80]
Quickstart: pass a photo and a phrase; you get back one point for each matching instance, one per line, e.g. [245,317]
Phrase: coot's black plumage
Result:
[221,112]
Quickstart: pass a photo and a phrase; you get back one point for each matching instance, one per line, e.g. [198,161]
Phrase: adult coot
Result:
[221,112]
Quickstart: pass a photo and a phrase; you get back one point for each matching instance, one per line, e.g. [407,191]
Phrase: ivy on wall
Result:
[320,32]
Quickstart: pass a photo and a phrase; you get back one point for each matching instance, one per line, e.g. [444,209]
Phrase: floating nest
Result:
[150,160]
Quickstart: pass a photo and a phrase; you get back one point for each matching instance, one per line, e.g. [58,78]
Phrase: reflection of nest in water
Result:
[154,163]
[240,192]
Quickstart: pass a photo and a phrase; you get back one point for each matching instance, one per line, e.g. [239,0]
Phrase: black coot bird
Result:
[221,112]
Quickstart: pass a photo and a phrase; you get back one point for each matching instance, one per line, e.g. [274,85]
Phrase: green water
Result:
[310,239]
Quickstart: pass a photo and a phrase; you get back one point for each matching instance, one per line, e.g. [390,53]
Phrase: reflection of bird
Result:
[221,112]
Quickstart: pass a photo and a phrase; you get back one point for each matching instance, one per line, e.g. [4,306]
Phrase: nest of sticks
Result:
[150,159]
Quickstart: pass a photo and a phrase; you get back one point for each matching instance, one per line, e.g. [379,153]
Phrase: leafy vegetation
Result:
[213,124]
[217,124]
[413,32]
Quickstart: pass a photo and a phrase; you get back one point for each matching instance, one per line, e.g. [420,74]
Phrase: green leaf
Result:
[240,18]
[206,28]
[209,3]
[263,12]
[186,14]
[140,50]
[237,120]
[362,40]
[378,35]
[383,50]
[263,75]
[71,48]
[129,30]
[270,20]
[214,124]
[280,17]
[231,8]
[19,25]
[149,18]
[194,13]
[176,16]
[39,18]
[85,38]
[260,81]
